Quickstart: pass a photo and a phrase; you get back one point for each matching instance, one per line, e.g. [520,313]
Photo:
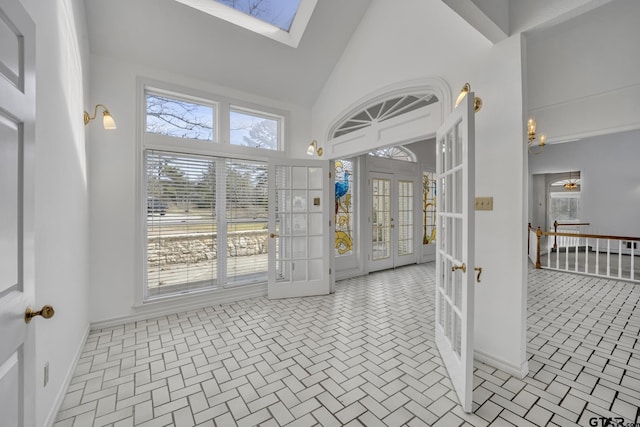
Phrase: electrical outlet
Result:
[484,203]
[46,374]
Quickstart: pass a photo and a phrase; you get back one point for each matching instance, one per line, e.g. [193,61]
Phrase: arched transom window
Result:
[383,110]
[397,153]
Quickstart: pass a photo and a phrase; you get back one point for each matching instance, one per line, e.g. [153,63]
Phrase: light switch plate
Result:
[484,203]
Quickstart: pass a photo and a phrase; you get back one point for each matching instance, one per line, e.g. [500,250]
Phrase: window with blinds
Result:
[246,216]
[182,241]
[206,223]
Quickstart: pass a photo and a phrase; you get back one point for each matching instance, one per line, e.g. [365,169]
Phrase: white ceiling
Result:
[180,39]
[177,38]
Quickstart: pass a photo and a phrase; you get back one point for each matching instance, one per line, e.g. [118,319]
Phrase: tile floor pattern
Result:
[363,356]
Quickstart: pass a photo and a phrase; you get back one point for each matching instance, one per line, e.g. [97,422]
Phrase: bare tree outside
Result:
[276,12]
[182,119]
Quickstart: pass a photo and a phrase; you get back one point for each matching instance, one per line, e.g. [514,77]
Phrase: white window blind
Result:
[206,222]
[246,221]
[182,242]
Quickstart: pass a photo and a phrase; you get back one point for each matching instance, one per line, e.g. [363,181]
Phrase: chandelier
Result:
[571,184]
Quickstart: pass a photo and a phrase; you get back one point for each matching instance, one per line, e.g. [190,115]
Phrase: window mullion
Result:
[221,208]
[223,123]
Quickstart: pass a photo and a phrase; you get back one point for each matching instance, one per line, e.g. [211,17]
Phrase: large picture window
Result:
[206,210]
[206,222]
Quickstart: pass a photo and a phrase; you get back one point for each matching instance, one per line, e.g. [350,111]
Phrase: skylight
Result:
[275,12]
[281,20]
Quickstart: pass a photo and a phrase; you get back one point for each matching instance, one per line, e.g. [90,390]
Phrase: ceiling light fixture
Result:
[107,120]
[477,101]
[531,131]
[571,184]
[314,149]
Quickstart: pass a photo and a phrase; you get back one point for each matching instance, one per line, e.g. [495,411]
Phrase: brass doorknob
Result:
[47,312]
[462,267]
[272,235]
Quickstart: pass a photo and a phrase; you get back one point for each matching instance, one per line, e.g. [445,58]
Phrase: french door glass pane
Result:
[381,218]
[428,208]
[298,240]
[405,217]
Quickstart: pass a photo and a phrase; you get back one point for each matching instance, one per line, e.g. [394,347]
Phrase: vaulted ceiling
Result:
[171,36]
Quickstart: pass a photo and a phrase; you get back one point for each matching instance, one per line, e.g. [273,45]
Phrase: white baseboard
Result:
[349,273]
[518,371]
[177,305]
[57,403]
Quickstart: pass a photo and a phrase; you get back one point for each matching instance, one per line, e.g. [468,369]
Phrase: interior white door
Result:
[299,238]
[455,170]
[17,124]
[393,228]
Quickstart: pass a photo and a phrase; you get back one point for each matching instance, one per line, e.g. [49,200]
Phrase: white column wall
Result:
[425,39]
[62,207]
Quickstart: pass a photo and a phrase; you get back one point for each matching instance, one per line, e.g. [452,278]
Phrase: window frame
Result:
[222,148]
[187,98]
[262,114]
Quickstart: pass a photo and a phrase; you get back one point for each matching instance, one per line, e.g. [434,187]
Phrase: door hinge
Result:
[329,175]
[329,272]
[329,223]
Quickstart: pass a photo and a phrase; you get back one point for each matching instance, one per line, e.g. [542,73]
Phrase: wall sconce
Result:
[477,102]
[531,131]
[314,149]
[107,120]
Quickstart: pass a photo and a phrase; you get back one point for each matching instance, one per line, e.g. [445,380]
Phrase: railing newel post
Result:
[538,234]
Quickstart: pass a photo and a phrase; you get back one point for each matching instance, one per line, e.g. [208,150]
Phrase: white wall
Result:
[425,39]
[114,161]
[425,151]
[610,179]
[62,211]
[538,202]
[583,75]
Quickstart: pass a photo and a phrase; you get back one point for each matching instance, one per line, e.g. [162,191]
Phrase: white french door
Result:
[393,228]
[17,125]
[299,238]
[455,159]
